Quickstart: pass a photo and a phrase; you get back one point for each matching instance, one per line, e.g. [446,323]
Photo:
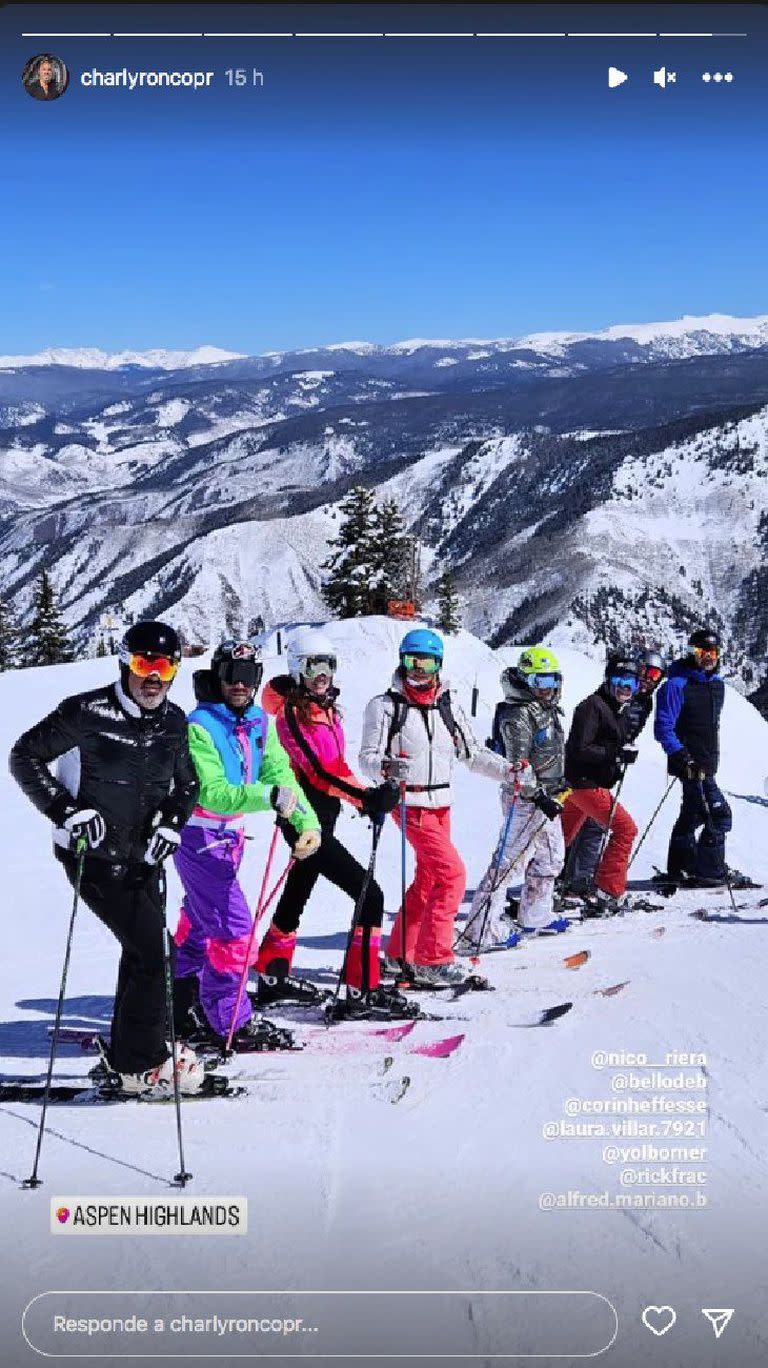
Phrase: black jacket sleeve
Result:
[640,711]
[30,757]
[179,805]
[583,746]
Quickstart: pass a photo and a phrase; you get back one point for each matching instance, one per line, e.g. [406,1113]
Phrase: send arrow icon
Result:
[718,1319]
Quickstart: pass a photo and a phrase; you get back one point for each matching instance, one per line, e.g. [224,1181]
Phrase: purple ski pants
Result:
[214,922]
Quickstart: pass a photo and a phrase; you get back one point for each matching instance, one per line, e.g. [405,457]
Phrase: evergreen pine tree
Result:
[48,643]
[352,566]
[393,554]
[10,643]
[449,612]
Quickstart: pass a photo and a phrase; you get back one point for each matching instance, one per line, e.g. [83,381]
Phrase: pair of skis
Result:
[25,1089]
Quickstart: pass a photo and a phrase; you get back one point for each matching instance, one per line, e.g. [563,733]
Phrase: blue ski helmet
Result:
[422,641]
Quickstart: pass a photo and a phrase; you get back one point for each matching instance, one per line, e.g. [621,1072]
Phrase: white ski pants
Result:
[531,848]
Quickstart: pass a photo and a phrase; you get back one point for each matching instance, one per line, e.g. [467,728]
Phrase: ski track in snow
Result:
[440,1189]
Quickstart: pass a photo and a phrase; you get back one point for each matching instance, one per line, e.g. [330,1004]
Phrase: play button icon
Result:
[616,77]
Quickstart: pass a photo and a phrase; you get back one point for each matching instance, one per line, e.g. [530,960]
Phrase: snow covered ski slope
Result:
[359,1180]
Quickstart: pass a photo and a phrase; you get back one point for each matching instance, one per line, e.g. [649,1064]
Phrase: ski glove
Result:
[683,765]
[163,843]
[307,844]
[283,800]
[86,824]
[377,802]
[397,768]
[548,804]
[628,755]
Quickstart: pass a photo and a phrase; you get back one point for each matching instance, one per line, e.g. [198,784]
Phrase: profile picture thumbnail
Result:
[45,77]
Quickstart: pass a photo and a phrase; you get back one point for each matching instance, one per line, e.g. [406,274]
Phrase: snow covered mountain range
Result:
[580,485]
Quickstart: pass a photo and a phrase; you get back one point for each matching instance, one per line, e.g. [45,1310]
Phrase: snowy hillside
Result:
[441,1190]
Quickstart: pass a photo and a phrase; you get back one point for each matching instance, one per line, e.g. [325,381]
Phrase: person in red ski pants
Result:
[597,754]
[414,734]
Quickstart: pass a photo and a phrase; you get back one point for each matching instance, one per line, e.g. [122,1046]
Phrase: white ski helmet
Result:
[308,644]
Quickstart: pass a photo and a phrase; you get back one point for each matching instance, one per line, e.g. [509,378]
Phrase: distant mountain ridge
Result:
[686,336]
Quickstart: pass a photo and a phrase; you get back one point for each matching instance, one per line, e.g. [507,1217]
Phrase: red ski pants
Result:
[435,895]
[611,875]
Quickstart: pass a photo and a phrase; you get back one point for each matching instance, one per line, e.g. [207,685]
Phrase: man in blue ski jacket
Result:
[687,725]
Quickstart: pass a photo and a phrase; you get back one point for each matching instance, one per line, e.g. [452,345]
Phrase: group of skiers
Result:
[137,783]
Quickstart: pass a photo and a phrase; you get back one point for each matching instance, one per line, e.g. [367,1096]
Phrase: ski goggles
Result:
[240,650]
[314,666]
[653,674]
[429,664]
[624,682]
[241,664]
[145,665]
[707,655]
[544,681]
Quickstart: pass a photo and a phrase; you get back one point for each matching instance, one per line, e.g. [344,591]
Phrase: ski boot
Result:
[600,904]
[287,988]
[732,877]
[378,1004]
[438,975]
[259,1036]
[556,927]
[158,1083]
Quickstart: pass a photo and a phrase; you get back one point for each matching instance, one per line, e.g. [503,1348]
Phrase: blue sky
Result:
[381,189]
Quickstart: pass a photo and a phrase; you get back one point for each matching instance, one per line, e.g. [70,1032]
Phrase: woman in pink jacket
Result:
[310,729]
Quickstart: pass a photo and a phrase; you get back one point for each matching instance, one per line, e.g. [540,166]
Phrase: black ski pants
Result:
[128,899]
[335,863]
[703,806]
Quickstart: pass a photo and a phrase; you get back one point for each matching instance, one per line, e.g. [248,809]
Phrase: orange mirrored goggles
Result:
[144,666]
[706,652]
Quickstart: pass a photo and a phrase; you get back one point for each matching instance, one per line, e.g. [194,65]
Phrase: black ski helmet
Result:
[706,638]
[236,662]
[148,639]
[151,639]
[621,663]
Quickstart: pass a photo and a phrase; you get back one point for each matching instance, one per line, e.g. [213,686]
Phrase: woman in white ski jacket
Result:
[414,733]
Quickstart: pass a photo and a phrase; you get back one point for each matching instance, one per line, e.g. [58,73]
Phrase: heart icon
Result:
[659,1319]
[62,1215]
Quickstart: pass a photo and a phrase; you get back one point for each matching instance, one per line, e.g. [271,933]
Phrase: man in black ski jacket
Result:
[125,786]
[688,728]
[596,754]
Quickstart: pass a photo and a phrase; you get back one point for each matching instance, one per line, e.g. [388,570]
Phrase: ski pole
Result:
[80,848]
[667,792]
[403,890]
[711,826]
[183,1176]
[377,825]
[256,919]
[607,832]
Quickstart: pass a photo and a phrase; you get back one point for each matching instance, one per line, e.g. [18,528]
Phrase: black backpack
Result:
[401,707]
[503,712]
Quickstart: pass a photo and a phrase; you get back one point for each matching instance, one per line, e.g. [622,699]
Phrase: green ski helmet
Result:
[540,668]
